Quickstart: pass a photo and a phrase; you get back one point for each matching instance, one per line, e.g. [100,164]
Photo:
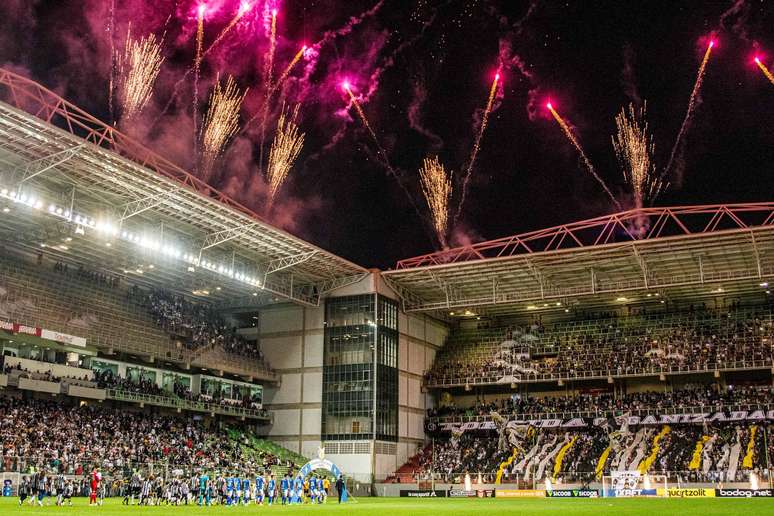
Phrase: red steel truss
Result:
[627,226]
[29,96]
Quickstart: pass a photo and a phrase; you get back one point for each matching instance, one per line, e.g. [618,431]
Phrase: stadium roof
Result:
[648,254]
[73,186]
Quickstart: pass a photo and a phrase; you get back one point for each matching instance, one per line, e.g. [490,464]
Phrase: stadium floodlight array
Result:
[107,228]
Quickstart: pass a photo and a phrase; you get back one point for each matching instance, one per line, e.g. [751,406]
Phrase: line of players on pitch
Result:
[230,491]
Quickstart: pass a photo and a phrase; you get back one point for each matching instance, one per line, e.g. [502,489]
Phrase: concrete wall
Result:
[292,341]
[40,386]
[57,370]
[420,338]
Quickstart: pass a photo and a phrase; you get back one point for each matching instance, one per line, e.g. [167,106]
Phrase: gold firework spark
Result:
[138,69]
[586,160]
[263,112]
[365,121]
[285,149]
[765,70]
[221,122]
[286,72]
[272,47]
[244,7]
[197,65]
[437,188]
[691,107]
[634,149]
[267,73]
[477,144]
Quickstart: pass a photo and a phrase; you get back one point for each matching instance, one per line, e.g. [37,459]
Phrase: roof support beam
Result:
[757,254]
[286,262]
[641,262]
[138,206]
[42,165]
[221,237]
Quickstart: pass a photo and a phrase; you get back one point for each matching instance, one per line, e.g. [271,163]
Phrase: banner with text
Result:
[64,338]
[579,422]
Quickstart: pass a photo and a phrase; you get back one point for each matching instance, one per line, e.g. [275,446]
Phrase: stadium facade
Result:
[344,349]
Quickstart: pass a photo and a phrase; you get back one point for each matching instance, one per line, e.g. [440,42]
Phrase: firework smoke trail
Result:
[285,149]
[138,69]
[586,161]
[437,188]
[765,70]
[689,111]
[634,149]
[477,145]
[220,123]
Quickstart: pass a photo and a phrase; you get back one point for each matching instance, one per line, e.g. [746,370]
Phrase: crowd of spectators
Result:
[476,453]
[197,325]
[107,380]
[71,439]
[47,376]
[696,340]
[710,397]
[83,273]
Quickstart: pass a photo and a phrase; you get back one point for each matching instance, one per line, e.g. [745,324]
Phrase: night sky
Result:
[423,71]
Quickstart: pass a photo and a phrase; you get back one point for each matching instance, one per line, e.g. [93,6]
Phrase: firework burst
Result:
[220,123]
[285,149]
[689,111]
[437,188]
[138,69]
[477,145]
[586,161]
[634,149]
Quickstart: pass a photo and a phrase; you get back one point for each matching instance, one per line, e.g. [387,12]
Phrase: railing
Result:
[569,414]
[122,326]
[673,478]
[111,467]
[615,228]
[184,404]
[503,378]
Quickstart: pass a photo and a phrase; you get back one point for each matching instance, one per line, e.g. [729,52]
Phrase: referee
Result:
[340,486]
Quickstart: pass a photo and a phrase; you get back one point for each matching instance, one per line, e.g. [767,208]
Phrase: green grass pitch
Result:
[435,507]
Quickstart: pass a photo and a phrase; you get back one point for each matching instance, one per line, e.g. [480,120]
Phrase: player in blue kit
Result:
[285,489]
[245,491]
[271,489]
[312,489]
[237,491]
[229,490]
[299,489]
[260,484]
